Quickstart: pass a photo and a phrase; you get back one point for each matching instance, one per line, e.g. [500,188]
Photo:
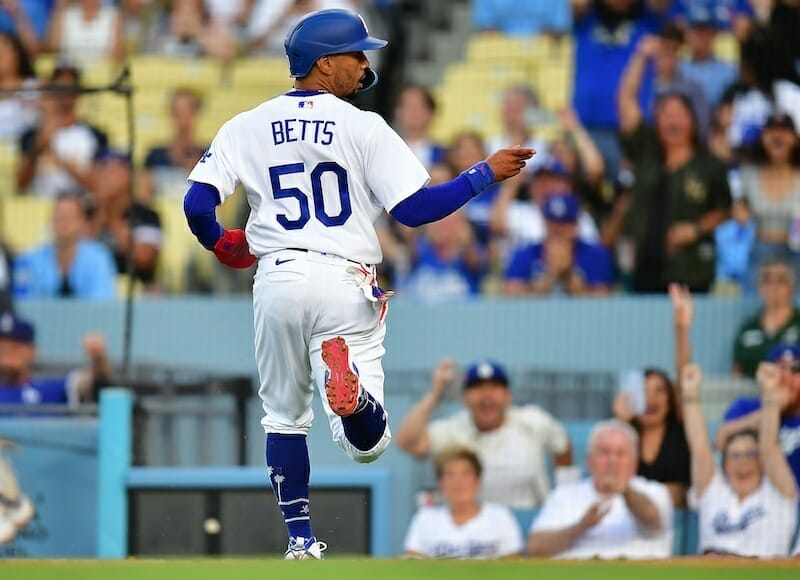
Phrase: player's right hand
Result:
[232,250]
[508,162]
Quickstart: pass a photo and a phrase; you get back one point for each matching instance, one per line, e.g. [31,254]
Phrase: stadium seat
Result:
[726,47]
[177,246]
[262,74]
[9,157]
[497,48]
[26,221]
[159,72]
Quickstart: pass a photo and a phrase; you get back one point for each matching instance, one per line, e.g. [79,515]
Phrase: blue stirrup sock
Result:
[289,471]
[365,427]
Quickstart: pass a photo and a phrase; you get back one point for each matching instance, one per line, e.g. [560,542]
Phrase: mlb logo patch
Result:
[306,104]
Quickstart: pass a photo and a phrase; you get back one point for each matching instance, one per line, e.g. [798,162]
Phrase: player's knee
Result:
[369,455]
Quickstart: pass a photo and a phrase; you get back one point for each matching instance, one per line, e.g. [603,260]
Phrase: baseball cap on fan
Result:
[784,353]
[484,371]
[12,327]
[562,208]
[780,120]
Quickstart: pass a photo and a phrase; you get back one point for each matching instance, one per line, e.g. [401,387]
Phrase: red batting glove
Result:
[232,250]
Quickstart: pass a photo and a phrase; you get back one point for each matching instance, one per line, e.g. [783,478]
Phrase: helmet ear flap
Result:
[369,80]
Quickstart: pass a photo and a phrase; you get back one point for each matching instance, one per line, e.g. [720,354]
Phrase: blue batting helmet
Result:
[329,32]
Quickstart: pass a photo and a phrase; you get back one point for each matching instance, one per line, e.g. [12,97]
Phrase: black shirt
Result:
[672,463]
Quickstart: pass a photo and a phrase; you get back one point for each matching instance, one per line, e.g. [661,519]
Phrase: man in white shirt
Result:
[613,514]
[512,442]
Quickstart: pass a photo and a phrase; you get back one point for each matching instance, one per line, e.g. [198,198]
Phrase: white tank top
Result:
[83,40]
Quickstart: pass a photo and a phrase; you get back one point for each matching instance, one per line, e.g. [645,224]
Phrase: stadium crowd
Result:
[670,171]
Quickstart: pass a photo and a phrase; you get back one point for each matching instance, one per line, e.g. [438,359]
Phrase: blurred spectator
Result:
[412,120]
[562,263]
[447,263]
[512,442]
[26,19]
[582,159]
[701,66]
[16,508]
[734,239]
[735,16]
[7,281]
[719,129]
[464,527]
[606,35]
[17,355]
[520,109]
[750,101]
[84,31]
[612,514]
[72,266]
[517,212]
[778,322]
[663,450]
[17,110]
[771,187]
[466,150]
[749,507]
[656,61]
[185,32]
[745,413]
[775,44]
[57,156]
[271,21]
[522,18]
[169,165]
[680,195]
[115,213]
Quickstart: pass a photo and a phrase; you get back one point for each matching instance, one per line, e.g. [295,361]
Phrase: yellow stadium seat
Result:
[266,74]
[9,157]
[26,221]
[495,47]
[156,71]
[726,47]
[177,245]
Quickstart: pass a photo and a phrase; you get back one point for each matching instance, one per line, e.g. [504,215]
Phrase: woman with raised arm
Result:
[748,507]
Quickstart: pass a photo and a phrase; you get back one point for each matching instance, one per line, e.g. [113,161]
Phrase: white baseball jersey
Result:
[513,456]
[317,172]
[760,526]
[492,533]
[618,534]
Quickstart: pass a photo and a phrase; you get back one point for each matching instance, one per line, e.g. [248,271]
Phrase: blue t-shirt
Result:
[601,56]
[35,391]
[435,279]
[527,18]
[91,276]
[38,12]
[714,75]
[593,262]
[789,434]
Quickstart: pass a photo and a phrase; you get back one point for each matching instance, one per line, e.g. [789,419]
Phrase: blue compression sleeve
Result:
[430,204]
[199,205]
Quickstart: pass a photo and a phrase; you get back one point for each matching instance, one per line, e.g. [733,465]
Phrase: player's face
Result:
[349,69]
[488,401]
[459,483]
[656,401]
[742,466]
[775,286]
[16,358]
[612,461]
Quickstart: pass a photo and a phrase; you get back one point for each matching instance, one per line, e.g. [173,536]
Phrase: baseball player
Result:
[317,172]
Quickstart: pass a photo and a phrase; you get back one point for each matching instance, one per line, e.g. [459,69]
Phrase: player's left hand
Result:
[232,250]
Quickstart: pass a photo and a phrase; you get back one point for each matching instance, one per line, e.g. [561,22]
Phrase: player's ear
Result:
[325,65]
